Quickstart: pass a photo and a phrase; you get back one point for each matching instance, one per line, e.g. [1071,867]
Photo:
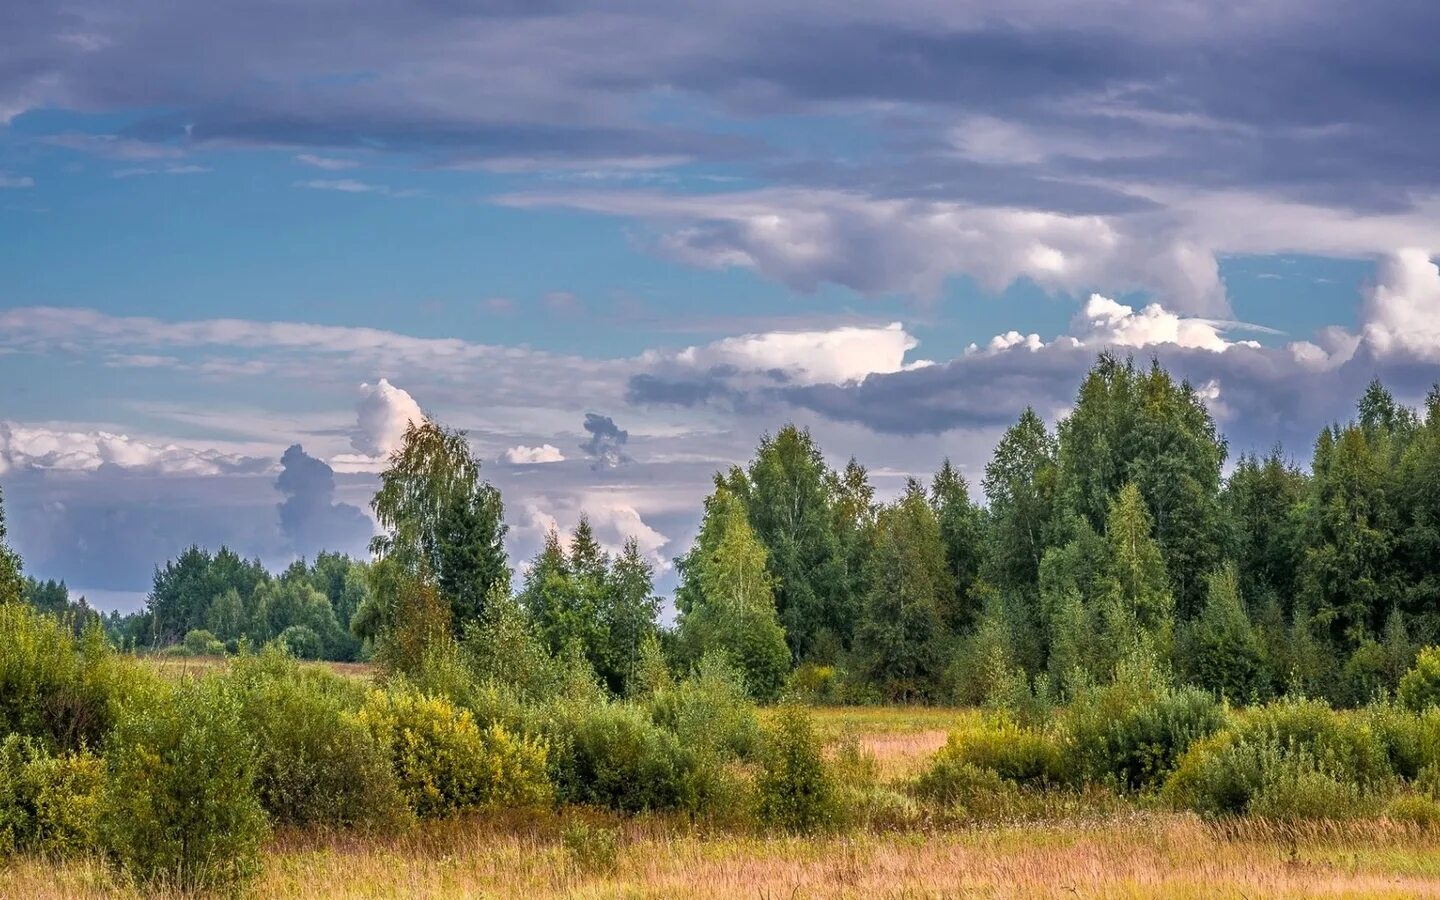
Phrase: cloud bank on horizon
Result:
[617,245]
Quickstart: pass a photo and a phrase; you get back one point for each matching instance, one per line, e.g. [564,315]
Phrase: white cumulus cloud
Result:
[526,456]
[382,414]
[1402,309]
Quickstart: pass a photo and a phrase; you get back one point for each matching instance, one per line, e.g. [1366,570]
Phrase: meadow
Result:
[1070,845]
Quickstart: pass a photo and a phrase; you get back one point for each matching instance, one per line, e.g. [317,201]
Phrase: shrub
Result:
[796,792]
[202,643]
[710,711]
[1414,809]
[816,683]
[301,642]
[317,763]
[444,762]
[55,687]
[1133,738]
[952,782]
[1411,740]
[1420,686]
[179,805]
[1296,789]
[593,848]
[1281,756]
[614,755]
[48,803]
[1020,755]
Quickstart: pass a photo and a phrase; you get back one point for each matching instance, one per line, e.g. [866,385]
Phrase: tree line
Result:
[1115,533]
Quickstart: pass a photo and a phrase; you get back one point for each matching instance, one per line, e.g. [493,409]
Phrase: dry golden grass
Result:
[1139,856]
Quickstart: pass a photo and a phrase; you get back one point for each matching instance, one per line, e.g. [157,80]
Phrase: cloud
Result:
[328,163]
[527,456]
[138,171]
[39,447]
[847,353]
[310,519]
[15,181]
[607,441]
[1402,309]
[382,415]
[352,186]
[877,245]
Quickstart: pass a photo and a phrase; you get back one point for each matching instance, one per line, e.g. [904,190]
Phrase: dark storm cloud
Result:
[607,441]
[1265,396]
[1321,100]
[310,519]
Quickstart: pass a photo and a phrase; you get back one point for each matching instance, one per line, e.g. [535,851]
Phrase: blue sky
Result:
[898,224]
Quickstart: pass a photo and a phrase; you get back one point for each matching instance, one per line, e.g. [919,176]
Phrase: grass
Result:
[1137,856]
[1080,848]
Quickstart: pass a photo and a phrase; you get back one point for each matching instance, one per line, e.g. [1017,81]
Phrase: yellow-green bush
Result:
[710,711]
[48,804]
[55,687]
[1018,754]
[444,762]
[179,806]
[1420,686]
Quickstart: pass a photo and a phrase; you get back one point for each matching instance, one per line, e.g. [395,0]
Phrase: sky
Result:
[241,245]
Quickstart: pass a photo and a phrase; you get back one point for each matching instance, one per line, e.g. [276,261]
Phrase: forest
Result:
[1129,621]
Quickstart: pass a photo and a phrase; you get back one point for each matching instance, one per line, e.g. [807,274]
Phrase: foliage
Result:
[795,790]
[613,755]
[48,804]
[445,763]
[728,600]
[1420,686]
[1016,754]
[316,763]
[442,522]
[55,687]
[180,806]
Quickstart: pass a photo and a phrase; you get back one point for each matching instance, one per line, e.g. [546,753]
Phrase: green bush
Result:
[444,762]
[950,781]
[710,711]
[1414,809]
[1411,740]
[796,792]
[317,762]
[301,642]
[1296,790]
[202,643]
[179,806]
[48,804]
[816,683]
[1280,756]
[614,755]
[1420,686]
[55,687]
[1017,754]
[1132,738]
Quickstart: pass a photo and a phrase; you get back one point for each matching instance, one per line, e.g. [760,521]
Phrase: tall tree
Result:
[1262,500]
[1142,427]
[12,586]
[960,532]
[630,613]
[1222,652]
[1135,588]
[903,636]
[791,502]
[1019,485]
[441,518]
[727,600]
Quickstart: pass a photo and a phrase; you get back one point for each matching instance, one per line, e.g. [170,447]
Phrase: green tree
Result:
[902,639]
[1135,588]
[630,613]
[1261,502]
[12,586]
[1019,485]
[1142,427]
[790,498]
[960,532]
[727,600]
[1223,654]
[442,519]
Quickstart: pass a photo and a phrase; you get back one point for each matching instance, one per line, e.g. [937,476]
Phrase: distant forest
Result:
[1113,534]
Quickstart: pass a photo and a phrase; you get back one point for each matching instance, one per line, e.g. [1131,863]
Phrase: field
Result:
[1126,852]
